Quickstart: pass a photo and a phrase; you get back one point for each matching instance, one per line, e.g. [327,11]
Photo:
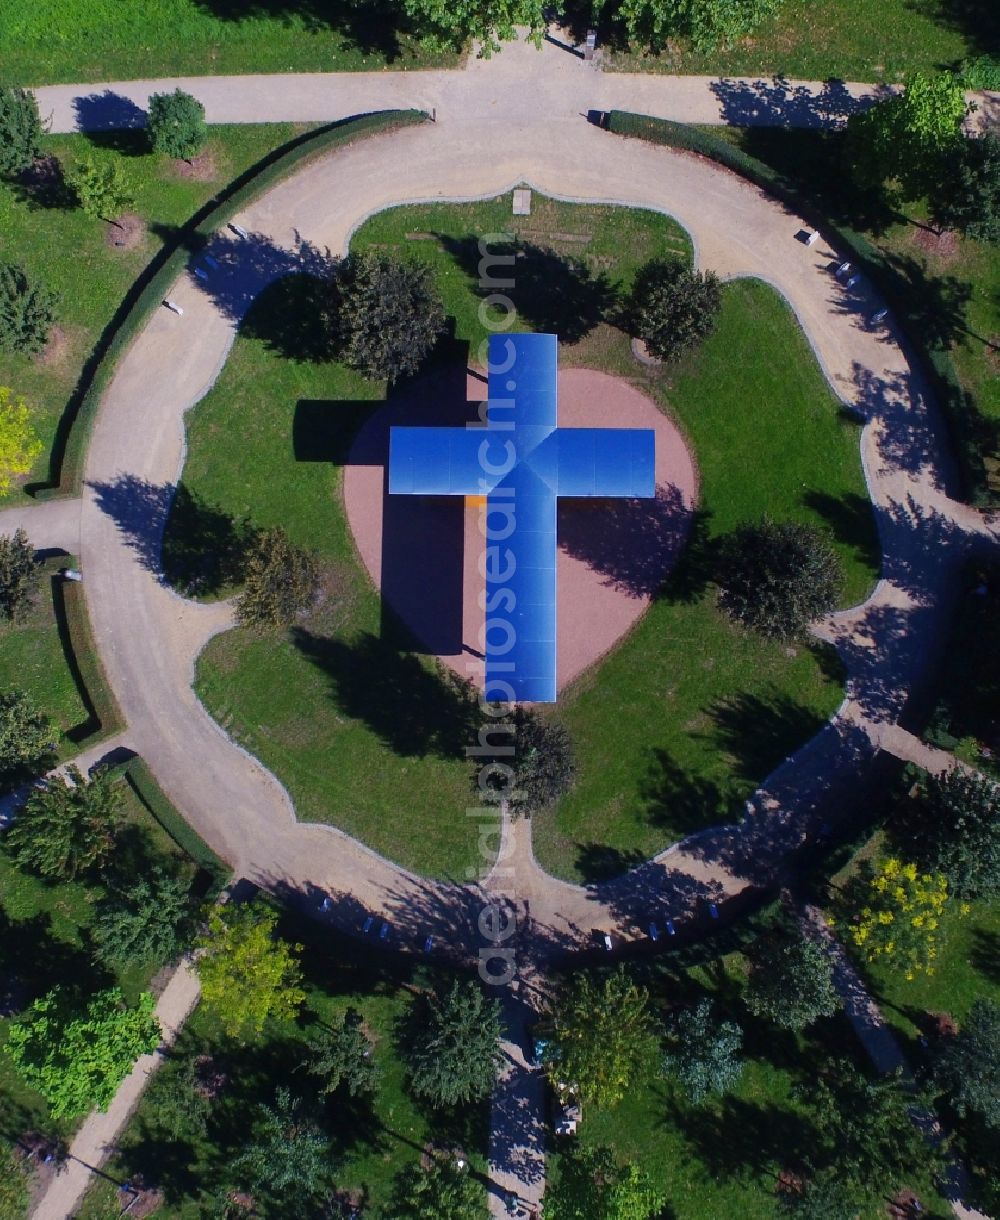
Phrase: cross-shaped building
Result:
[522,462]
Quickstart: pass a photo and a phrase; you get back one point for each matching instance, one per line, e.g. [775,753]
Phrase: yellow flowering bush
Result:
[19,446]
[901,917]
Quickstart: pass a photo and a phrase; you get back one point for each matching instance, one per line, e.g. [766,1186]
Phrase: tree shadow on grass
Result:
[851,517]
[759,731]
[32,953]
[598,862]
[554,292]
[415,711]
[679,799]
[985,956]
[291,318]
[112,121]
[978,21]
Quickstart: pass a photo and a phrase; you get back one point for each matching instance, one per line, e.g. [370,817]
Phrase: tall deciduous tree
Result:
[703,1052]
[791,982]
[952,825]
[27,312]
[671,308]
[68,826]
[27,737]
[593,1185]
[248,973]
[281,580]
[102,188]
[76,1053]
[906,139]
[966,195]
[287,1162]
[438,1191]
[709,24]
[451,1044]
[531,761]
[444,26]
[177,124]
[967,1066]
[600,1037]
[386,315]
[343,1054]
[20,130]
[18,575]
[148,919]
[777,577]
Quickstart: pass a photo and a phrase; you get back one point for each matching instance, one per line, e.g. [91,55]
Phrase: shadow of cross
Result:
[521,462]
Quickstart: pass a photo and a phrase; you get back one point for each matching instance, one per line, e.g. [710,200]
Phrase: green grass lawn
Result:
[372,1139]
[843,39]
[684,702]
[44,942]
[33,657]
[75,257]
[99,40]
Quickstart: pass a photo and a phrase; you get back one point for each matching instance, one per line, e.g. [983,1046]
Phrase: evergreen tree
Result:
[149,919]
[451,1044]
[281,580]
[67,827]
[966,195]
[703,1053]
[20,130]
[287,1163]
[967,1067]
[18,575]
[438,1191]
[531,758]
[27,738]
[27,312]
[344,1055]
[953,827]
[672,308]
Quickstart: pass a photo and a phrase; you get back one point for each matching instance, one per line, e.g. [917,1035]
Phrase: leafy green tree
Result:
[76,1053]
[967,1067]
[907,139]
[438,1191]
[966,194]
[451,1044]
[19,443]
[20,130]
[281,580]
[386,315]
[952,825]
[27,738]
[27,312]
[248,973]
[703,1053]
[778,577]
[148,919]
[175,1099]
[18,575]
[443,26]
[343,1054]
[531,761]
[671,307]
[592,1185]
[791,982]
[67,827]
[601,1036]
[287,1163]
[102,189]
[823,1197]
[13,1185]
[863,1130]
[176,124]
[709,24]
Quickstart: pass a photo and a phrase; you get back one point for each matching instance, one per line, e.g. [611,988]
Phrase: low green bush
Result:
[983,72]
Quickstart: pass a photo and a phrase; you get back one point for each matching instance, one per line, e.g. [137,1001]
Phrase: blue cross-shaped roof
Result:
[522,461]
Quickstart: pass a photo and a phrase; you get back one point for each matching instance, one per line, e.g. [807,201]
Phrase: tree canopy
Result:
[966,1067]
[68,826]
[287,1163]
[342,1054]
[531,758]
[593,1185]
[102,188]
[147,919]
[778,577]
[709,24]
[385,315]
[444,26]
[703,1053]
[281,580]
[20,130]
[966,194]
[248,973]
[439,1190]
[952,826]
[791,982]
[451,1044]
[601,1036]
[18,575]
[27,312]
[77,1052]
[176,124]
[19,444]
[27,738]
[671,307]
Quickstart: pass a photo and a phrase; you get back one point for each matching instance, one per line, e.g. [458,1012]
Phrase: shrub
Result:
[967,1067]
[952,826]
[176,124]
[672,308]
[386,315]
[20,130]
[280,581]
[101,188]
[709,24]
[27,311]
[19,444]
[27,737]
[983,72]
[777,577]
[966,194]
[18,573]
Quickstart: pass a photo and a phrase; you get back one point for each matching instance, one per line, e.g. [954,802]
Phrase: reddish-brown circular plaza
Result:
[425,554]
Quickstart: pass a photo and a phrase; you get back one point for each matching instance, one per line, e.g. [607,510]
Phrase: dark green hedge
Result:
[140,779]
[957,404]
[105,717]
[146,295]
